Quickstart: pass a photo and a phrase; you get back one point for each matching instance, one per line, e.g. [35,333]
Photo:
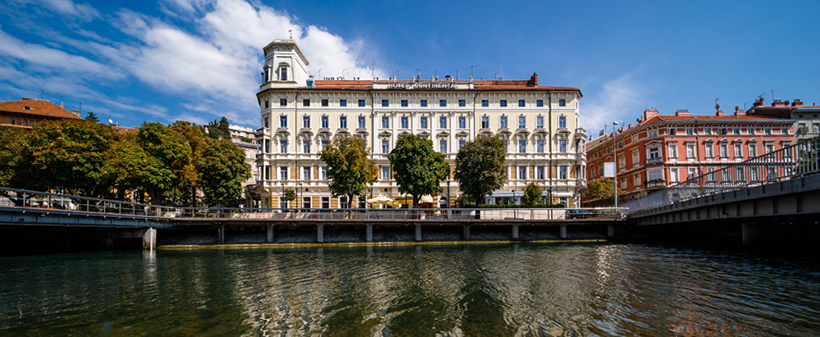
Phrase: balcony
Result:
[655,184]
[652,161]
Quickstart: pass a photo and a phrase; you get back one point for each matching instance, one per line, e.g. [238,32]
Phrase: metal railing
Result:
[784,164]
[25,199]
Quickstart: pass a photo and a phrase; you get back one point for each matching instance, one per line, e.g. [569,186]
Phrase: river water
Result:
[501,290]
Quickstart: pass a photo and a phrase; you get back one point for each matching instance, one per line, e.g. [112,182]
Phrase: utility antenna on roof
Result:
[472,68]
[344,71]
[418,74]
[773,93]
[373,70]
[761,95]
[495,76]
[397,73]
[290,32]
[319,73]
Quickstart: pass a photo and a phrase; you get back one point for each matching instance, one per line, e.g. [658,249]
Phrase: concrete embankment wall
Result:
[30,240]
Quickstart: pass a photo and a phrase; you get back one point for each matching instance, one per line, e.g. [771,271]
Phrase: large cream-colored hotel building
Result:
[301,115]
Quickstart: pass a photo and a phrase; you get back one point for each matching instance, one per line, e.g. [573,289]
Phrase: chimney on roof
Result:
[76,112]
[533,82]
[758,102]
[683,113]
[778,103]
[62,105]
[739,112]
[602,133]
[630,126]
[447,78]
[797,102]
[720,113]
[647,114]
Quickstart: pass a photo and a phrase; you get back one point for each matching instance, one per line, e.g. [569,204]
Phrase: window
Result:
[462,122]
[539,172]
[404,123]
[692,174]
[724,176]
[539,103]
[385,103]
[673,131]
[815,127]
[621,161]
[283,146]
[562,172]
[423,103]
[562,122]
[324,102]
[283,74]
[738,151]
[343,103]
[325,202]
[522,122]
[502,103]
[325,122]
[442,122]
[724,152]
[362,202]
[636,158]
[362,103]
[539,146]
[385,172]
[673,174]
[654,174]
[485,122]
[637,180]
[442,102]
[385,146]
[462,102]
[708,131]
[461,143]
[283,173]
[562,145]
[522,172]
[306,121]
[423,122]
[283,203]
[739,175]
[752,131]
[404,103]
[343,202]
[769,148]
[539,122]
[306,173]
[562,102]
[485,103]
[784,131]
[343,122]
[283,102]
[690,131]
[709,150]
[442,146]
[521,103]
[767,131]
[736,130]
[710,175]
[283,121]
[652,133]
[503,122]
[306,146]
[690,151]
[323,173]
[385,122]
[522,146]
[362,123]
[654,153]
[306,202]
[752,150]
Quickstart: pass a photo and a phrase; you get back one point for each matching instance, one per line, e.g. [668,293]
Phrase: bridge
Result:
[26,214]
[774,197]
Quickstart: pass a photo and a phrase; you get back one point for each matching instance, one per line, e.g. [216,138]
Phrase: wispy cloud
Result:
[618,99]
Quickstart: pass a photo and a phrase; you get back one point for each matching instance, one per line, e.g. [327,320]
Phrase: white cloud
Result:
[66,7]
[619,99]
[52,58]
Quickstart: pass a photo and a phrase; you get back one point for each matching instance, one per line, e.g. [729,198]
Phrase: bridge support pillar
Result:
[149,239]
[220,234]
[467,233]
[418,232]
[563,231]
[270,234]
[515,231]
[320,233]
[369,233]
[610,231]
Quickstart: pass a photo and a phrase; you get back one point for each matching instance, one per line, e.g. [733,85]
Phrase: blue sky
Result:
[198,60]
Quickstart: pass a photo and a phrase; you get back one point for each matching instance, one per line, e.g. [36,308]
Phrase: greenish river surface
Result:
[499,290]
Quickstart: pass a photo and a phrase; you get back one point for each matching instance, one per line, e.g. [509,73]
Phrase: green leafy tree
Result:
[11,146]
[129,167]
[68,154]
[222,168]
[171,149]
[532,195]
[92,117]
[602,189]
[290,195]
[189,179]
[350,168]
[418,168]
[481,168]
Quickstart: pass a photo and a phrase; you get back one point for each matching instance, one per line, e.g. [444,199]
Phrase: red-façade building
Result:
[660,151]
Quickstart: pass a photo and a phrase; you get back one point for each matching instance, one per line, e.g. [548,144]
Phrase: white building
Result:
[301,115]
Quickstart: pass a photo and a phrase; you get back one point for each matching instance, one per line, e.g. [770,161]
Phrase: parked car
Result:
[578,214]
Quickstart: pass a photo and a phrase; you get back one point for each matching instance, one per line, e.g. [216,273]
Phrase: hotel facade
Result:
[300,116]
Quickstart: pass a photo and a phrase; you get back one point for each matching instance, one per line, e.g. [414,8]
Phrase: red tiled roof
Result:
[36,107]
[124,130]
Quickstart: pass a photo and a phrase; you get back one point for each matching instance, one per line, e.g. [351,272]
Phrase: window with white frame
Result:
[283,102]
[539,146]
[654,174]
[522,122]
[343,122]
[306,146]
[724,176]
[690,150]
[385,146]
[769,148]
[709,150]
[442,146]
[637,180]
[442,122]
[673,174]
[362,122]
[283,203]
[636,157]
[724,150]
[423,103]
[562,172]
[283,121]
[306,121]
[423,122]
[710,175]
[673,150]
[461,143]
[306,173]
[325,202]
[306,202]
[485,122]
[522,172]
[283,173]
[654,153]
[283,146]
[562,146]
[385,122]
[323,172]
[740,177]
[738,151]
[405,123]
[462,122]
[652,133]
[755,174]
[692,173]
[539,172]
[621,161]
[323,144]
[539,122]
[522,146]
[562,122]
[752,150]
[562,102]
[325,122]
[503,122]
[385,172]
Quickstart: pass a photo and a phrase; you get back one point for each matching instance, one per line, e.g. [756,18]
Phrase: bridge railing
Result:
[17,198]
[789,162]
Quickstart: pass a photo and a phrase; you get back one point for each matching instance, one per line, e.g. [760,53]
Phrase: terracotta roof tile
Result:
[38,108]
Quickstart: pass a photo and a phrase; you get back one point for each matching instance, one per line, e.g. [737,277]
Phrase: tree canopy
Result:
[223,169]
[418,168]
[532,195]
[349,166]
[92,117]
[172,150]
[481,168]
[11,146]
[602,189]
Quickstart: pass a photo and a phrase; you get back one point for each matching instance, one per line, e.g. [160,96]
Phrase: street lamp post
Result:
[615,159]
[283,196]
[301,195]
